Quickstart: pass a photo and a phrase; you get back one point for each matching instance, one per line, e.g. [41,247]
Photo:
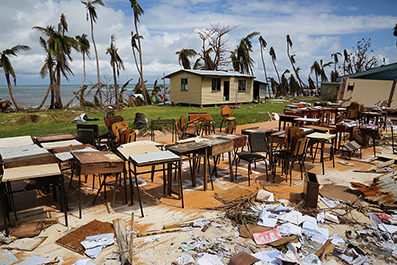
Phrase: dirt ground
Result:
[160,210]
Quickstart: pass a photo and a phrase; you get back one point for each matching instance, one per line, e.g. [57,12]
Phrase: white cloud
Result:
[317,30]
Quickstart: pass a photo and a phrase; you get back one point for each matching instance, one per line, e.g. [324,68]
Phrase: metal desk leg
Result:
[137,188]
[179,168]
[205,169]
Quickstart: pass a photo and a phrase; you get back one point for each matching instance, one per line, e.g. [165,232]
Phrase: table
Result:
[52,145]
[322,138]
[247,131]
[301,120]
[192,150]
[156,158]
[369,131]
[98,163]
[19,156]
[126,151]
[49,176]
[286,118]
[54,137]
[15,141]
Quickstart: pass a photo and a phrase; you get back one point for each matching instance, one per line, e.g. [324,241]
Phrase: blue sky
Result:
[317,29]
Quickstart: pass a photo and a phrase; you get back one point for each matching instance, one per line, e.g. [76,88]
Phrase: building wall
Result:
[200,90]
[192,95]
[367,92]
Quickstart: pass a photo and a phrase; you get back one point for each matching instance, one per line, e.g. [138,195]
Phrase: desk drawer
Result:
[221,148]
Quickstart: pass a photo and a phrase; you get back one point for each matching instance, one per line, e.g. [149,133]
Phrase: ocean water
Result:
[32,96]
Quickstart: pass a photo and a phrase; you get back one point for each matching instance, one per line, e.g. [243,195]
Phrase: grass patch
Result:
[60,121]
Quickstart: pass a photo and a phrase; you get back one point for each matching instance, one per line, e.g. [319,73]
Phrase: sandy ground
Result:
[160,209]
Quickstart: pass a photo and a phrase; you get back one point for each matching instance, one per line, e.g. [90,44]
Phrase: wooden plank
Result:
[137,150]
[181,223]
[36,171]
[54,137]
[387,156]
[121,236]
[51,145]
[15,141]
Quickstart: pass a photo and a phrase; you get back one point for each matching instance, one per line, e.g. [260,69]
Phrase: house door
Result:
[226,90]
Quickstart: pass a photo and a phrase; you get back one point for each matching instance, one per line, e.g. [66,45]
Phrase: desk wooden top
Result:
[15,141]
[252,130]
[307,119]
[71,148]
[97,157]
[126,152]
[101,162]
[186,148]
[140,143]
[27,172]
[52,145]
[23,152]
[154,158]
[54,137]
[321,136]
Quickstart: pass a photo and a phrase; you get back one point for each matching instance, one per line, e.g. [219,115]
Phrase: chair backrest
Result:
[258,142]
[86,136]
[116,129]
[182,121]
[113,119]
[301,146]
[128,136]
[193,116]
[93,127]
[230,129]
[225,112]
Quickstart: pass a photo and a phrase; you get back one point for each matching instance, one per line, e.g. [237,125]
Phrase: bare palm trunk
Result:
[144,90]
[264,69]
[293,67]
[97,62]
[14,100]
[278,75]
[58,98]
[45,97]
[81,86]
[116,87]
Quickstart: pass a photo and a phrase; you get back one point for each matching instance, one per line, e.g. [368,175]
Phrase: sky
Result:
[317,29]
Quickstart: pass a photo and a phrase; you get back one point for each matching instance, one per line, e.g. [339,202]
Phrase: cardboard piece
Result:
[253,229]
[242,258]
[340,193]
[26,244]
[27,229]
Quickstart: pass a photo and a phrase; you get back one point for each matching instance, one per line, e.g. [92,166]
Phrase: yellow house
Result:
[204,87]
[372,87]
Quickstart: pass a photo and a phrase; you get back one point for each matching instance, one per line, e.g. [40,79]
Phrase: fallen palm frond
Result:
[239,209]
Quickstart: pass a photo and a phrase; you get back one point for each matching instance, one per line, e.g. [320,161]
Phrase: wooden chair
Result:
[225,112]
[128,136]
[230,129]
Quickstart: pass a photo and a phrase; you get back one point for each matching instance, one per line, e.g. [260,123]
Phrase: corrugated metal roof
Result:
[382,191]
[378,73]
[210,73]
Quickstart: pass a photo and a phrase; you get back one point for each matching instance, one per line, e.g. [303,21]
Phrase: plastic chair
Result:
[225,112]
[258,144]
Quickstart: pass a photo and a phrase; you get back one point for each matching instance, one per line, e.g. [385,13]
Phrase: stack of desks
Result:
[23,160]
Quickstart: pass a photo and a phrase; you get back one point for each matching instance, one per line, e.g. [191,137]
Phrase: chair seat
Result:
[230,118]
[248,156]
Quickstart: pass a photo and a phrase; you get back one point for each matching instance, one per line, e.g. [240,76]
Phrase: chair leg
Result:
[249,172]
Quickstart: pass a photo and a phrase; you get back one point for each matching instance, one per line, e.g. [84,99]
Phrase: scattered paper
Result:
[94,244]
[337,240]
[288,229]
[267,219]
[267,237]
[35,260]
[294,217]
[208,259]
[311,229]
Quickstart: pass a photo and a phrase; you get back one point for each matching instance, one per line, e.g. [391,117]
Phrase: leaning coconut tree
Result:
[116,63]
[92,15]
[9,70]
[183,57]
[138,11]
[85,51]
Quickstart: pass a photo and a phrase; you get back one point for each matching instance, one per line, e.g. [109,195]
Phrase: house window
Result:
[183,84]
[241,85]
[216,84]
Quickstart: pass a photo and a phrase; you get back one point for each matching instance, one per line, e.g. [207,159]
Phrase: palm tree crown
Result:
[184,56]
[116,63]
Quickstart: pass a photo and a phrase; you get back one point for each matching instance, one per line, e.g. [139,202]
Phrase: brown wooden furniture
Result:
[54,137]
[98,163]
[226,119]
